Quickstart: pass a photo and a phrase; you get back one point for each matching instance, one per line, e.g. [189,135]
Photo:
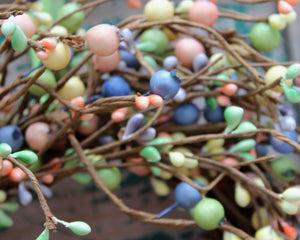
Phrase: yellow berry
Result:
[277,21]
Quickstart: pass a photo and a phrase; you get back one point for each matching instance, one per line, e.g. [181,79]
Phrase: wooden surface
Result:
[72,202]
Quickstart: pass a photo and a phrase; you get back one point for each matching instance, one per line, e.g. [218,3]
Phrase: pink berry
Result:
[107,63]
[42,55]
[37,135]
[203,12]
[102,39]
[48,179]
[187,49]
[26,24]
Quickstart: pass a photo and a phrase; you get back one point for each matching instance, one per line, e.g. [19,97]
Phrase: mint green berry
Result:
[5,150]
[79,228]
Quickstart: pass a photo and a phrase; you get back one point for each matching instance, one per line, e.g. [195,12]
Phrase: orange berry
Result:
[47,179]
[78,101]
[7,166]
[48,43]
[284,7]
[155,100]
[34,108]
[57,166]
[164,134]
[122,110]
[229,89]
[230,161]
[253,152]
[86,117]
[289,230]
[164,118]
[134,4]
[16,174]
[223,100]
[142,102]
[293,2]
[138,170]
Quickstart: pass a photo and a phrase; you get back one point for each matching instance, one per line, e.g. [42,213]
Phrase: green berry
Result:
[209,213]
[264,37]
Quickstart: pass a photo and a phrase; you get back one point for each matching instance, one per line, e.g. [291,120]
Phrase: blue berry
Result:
[284,147]
[261,150]
[186,114]
[129,59]
[187,196]
[165,84]
[214,115]
[115,86]
[13,136]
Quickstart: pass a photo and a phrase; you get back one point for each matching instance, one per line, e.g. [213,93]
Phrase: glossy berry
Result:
[186,114]
[165,84]
[209,213]
[13,136]
[115,86]
[214,115]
